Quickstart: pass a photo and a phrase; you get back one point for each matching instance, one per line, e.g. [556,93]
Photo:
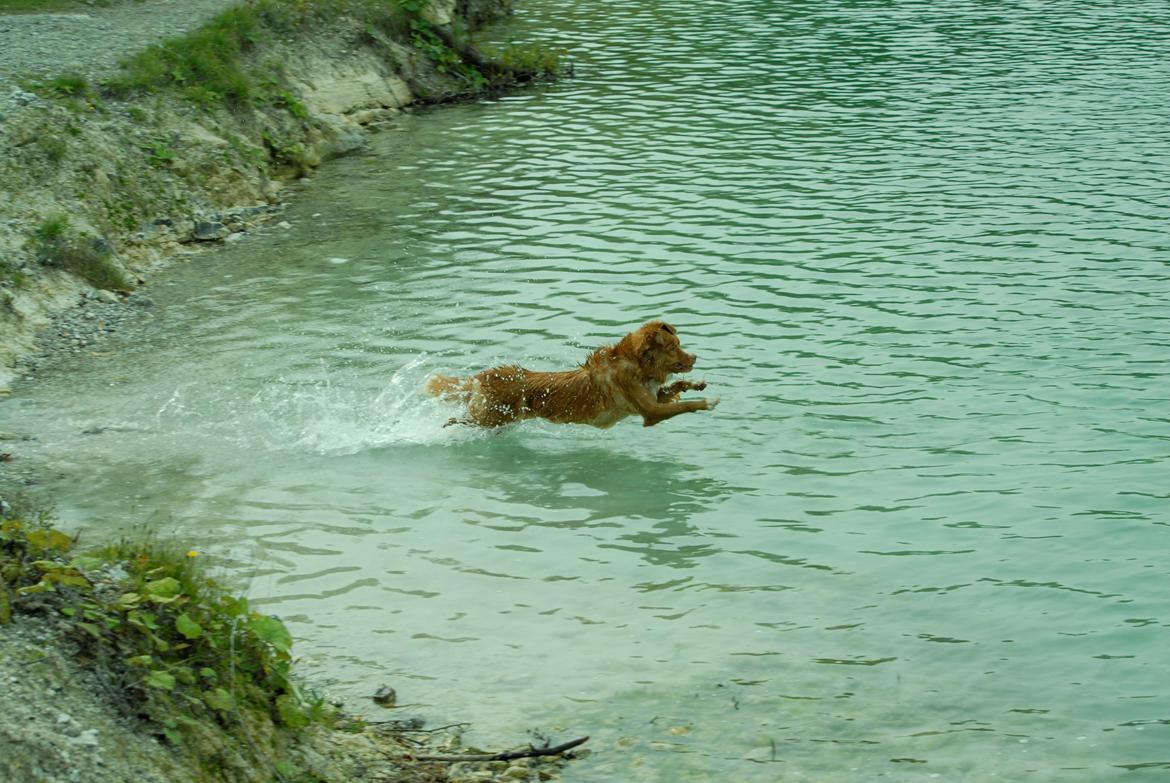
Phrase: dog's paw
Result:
[700,385]
[712,403]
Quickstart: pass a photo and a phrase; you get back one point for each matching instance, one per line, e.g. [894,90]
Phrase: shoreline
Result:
[128,663]
[108,183]
[98,314]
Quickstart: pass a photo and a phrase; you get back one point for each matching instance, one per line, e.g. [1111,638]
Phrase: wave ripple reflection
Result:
[919,249]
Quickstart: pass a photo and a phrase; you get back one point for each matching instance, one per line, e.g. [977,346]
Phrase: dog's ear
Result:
[662,329]
[648,339]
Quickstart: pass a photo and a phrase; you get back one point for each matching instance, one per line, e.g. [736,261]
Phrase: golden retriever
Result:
[615,381]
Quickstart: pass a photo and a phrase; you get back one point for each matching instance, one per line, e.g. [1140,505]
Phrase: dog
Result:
[624,379]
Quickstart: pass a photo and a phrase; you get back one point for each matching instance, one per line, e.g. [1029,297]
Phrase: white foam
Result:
[332,418]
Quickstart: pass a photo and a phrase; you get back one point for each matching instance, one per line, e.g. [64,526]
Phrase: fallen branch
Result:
[511,754]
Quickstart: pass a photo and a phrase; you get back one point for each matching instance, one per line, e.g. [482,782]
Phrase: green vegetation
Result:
[233,63]
[69,84]
[160,154]
[213,65]
[52,228]
[23,6]
[52,146]
[206,65]
[535,59]
[90,258]
[197,661]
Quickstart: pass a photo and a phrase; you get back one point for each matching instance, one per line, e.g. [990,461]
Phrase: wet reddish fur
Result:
[613,382]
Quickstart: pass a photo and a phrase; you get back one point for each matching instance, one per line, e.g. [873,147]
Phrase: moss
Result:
[542,62]
[52,146]
[90,258]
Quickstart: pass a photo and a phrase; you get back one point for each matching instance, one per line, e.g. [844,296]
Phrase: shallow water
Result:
[920,250]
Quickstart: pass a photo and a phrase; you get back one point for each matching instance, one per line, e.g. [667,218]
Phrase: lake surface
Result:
[921,252]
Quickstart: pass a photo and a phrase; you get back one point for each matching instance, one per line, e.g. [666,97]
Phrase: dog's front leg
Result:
[664,411]
[670,393]
[653,411]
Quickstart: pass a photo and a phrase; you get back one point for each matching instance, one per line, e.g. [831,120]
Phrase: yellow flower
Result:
[192,553]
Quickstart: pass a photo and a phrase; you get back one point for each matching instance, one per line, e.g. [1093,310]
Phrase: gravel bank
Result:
[92,41]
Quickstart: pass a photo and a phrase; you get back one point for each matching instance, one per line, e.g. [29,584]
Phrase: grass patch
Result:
[205,65]
[211,65]
[90,258]
[30,6]
[52,228]
[215,65]
[70,85]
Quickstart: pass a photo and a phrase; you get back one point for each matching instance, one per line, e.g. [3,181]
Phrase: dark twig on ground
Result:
[531,752]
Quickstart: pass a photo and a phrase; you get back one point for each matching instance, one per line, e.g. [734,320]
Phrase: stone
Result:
[438,12]
[209,231]
[87,738]
[386,696]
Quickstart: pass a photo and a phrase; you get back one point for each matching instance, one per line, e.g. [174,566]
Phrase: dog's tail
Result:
[449,388]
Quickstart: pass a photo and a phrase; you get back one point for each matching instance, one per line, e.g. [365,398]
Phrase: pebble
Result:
[87,738]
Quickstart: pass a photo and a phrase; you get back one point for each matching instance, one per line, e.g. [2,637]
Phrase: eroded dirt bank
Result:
[106,173]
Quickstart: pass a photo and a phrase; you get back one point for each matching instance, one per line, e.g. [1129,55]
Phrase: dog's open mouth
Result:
[682,366]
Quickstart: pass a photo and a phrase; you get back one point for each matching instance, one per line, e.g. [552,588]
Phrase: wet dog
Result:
[615,381]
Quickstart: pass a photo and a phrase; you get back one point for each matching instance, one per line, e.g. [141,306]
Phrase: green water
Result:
[921,252]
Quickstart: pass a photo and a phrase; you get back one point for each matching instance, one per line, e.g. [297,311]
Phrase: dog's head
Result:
[657,350]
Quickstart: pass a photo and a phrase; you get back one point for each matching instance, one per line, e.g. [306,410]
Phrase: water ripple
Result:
[919,249]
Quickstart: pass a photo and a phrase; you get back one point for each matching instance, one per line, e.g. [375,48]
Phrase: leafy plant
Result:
[186,652]
[160,153]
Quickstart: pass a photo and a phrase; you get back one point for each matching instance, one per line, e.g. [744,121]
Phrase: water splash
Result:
[330,417]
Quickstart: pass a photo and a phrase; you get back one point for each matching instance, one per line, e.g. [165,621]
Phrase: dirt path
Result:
[90,42]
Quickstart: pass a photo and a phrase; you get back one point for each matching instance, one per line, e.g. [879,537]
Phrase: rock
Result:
[87,738]
[67,726]
[385,696]
[209,231]
[438,12]
[22,98]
